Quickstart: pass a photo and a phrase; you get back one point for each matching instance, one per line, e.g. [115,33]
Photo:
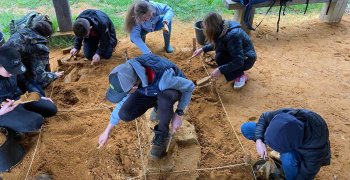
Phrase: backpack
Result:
[27,21]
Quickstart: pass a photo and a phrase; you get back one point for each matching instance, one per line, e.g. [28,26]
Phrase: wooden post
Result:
[335,12]
[64,17]
[239,17]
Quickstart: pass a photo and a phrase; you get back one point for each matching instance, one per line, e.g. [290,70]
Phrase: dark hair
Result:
[44,28]
[135,11]
[81,27]
[212,26]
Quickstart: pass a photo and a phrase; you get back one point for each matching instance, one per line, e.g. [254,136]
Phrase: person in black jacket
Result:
[299,135]
[233,47]
[24,117]
[98,33]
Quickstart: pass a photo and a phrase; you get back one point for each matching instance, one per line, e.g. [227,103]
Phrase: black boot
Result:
[159,143]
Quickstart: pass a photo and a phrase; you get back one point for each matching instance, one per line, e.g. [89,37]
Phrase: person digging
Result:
[145,82]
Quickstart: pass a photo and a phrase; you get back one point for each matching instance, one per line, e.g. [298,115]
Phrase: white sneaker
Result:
[154,115]
[240,81]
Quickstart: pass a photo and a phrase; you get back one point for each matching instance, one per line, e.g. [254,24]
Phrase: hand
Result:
[95,59]
[47,99]
[216,73]
[103,139]
[197,52]
[176,122]
[7,106]
[59,73]
[261,149]
[74,52]
[165,27]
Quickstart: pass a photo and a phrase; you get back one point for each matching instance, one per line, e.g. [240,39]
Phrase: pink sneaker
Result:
[240,81]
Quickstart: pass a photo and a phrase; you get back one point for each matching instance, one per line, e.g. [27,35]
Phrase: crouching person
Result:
[32,44]
[96,30]
[299,135]
[145,82]
[24,117]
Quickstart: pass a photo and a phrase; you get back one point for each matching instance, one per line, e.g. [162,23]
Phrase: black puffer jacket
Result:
[102,25]
[9,88]
[315,149]
[232,46]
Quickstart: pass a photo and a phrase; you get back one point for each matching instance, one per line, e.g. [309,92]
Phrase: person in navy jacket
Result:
[299,135]
[234,49]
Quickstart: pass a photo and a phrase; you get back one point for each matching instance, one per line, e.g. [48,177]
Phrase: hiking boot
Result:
[154,115]
[159,143]
[240,82]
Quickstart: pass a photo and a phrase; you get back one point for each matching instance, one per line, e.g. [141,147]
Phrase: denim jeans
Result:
[90,48]
[290,160]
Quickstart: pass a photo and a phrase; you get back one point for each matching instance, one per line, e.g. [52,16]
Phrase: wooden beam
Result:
[335,13]
[63,14]
[229,4]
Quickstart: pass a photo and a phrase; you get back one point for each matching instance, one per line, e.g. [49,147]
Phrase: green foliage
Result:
[184,10]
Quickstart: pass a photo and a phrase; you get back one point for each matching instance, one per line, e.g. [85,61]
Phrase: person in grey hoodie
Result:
[145,82]
[148,16]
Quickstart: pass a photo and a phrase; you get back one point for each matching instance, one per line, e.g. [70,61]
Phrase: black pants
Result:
[248,64]
[28,117]
[137,104]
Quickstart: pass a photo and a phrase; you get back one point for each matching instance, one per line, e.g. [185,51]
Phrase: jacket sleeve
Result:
[114,118]
[265,120]
[165,10]
[170,81]
[308,170]
[208,47]
[38,66]
[234,46]
[77,42]
[135,37]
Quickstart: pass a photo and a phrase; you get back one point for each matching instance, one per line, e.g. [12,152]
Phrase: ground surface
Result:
[305,65]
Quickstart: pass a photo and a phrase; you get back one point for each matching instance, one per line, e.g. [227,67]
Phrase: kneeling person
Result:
[24,117]
[98,33]
[145,82]
[299,135]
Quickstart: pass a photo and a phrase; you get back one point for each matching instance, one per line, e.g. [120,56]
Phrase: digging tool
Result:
[126,54]
[203,81]
[26,98]
[169,142]
[166,29]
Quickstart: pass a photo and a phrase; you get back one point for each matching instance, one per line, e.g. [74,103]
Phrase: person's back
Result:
[96,30]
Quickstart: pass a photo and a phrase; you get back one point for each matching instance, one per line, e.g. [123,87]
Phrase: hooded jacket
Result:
[34,54]
[104,28]
[231,48]
[299,130]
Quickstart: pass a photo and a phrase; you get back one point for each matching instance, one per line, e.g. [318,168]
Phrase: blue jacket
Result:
[171,78]
[309,137]
[233,45]
[104,28]
[149,26]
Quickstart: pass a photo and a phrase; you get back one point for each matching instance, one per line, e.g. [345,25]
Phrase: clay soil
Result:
[305,65]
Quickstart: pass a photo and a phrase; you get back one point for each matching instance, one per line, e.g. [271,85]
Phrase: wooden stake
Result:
[202,81]
[194,44]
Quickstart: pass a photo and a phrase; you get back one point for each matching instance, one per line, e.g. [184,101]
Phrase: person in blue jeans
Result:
[148,16]
[21,118]
[145,82]
[96,30]
[299,135]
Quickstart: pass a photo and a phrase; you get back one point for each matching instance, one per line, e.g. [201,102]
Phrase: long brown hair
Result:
[212,26]
[135,11]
